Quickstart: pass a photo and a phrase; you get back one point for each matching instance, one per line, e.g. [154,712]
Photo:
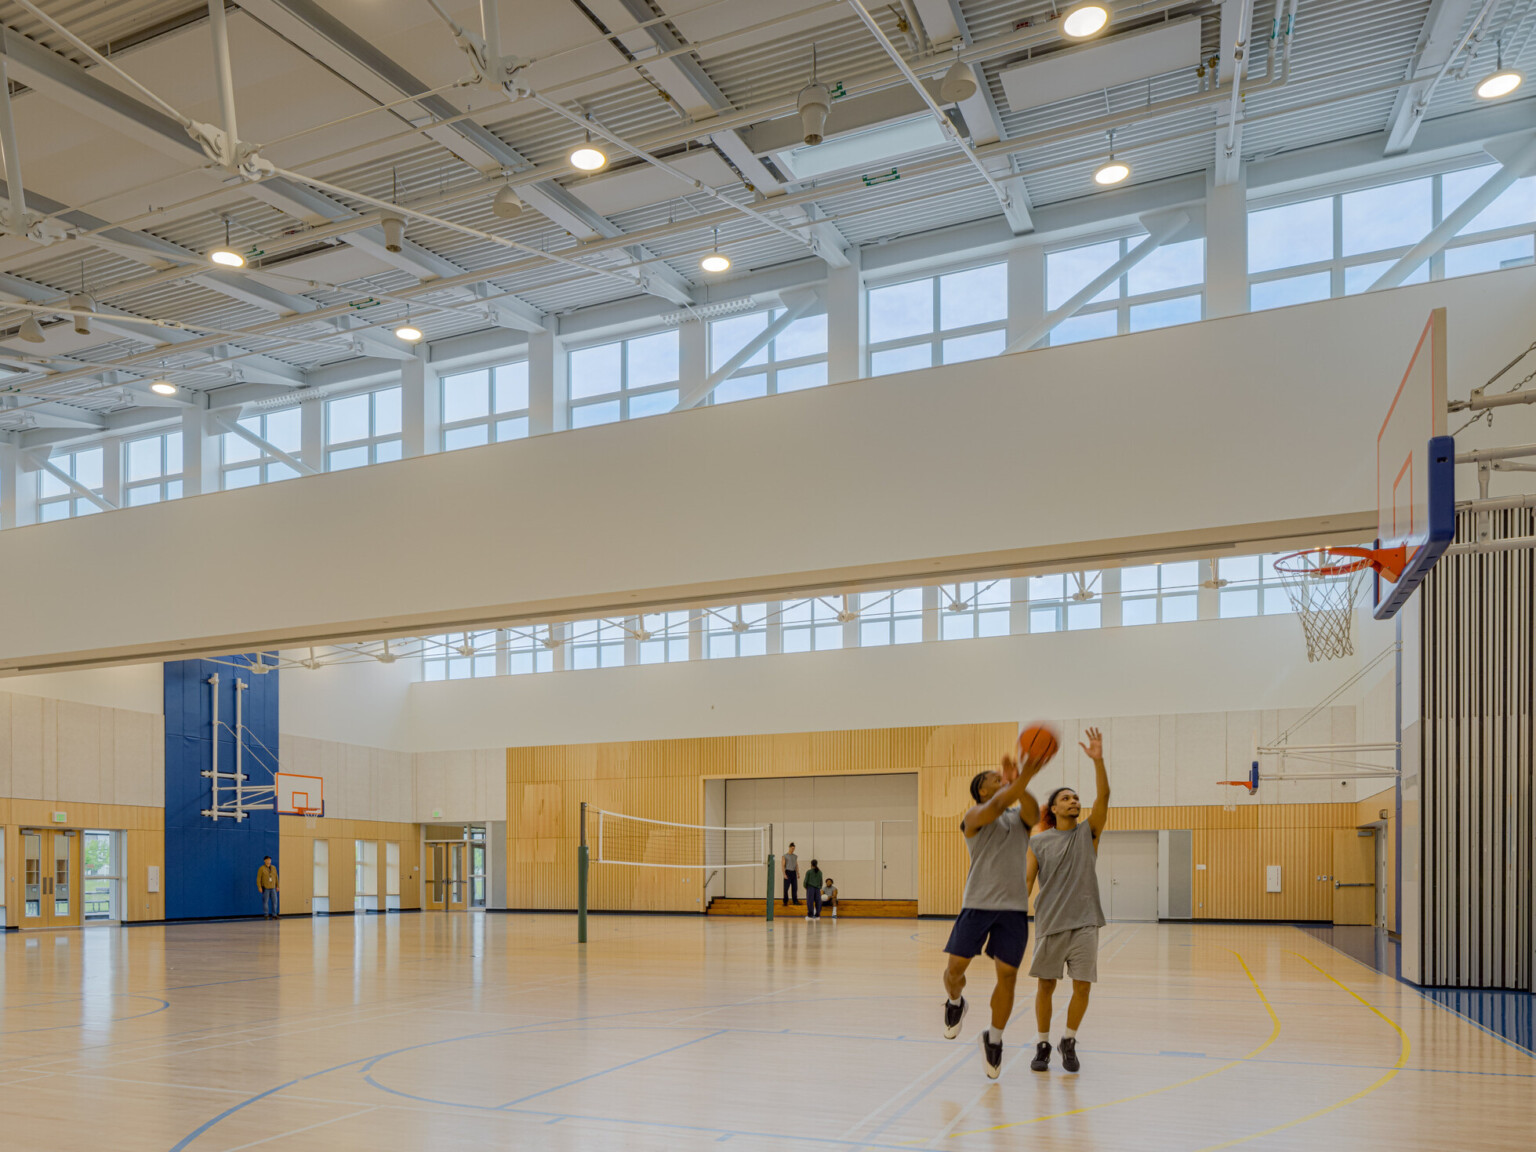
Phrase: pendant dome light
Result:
[226,256]
[715,260]
[1112,171]
[1500,82]
[408,331]
[1085,20]
[163,388]
[587,156]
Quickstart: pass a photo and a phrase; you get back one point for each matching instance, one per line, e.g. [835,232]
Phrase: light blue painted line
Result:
[164,1004]
[554,1120]
[615,1068]
[1193,1055]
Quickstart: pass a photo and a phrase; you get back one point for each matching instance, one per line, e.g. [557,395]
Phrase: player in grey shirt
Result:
[994,913]
[1063,858]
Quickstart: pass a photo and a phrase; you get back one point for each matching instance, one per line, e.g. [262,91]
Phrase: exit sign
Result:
[60,817]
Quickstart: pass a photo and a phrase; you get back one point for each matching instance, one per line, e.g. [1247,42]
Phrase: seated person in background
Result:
[829,896]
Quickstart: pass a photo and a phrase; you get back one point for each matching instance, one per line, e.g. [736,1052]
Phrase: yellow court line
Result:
[1273,1036]
[1402,1060]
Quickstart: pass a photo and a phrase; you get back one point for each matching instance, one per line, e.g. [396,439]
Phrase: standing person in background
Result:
[1068,915]
[813,892]
[829,896]
[791,876]
[266,884]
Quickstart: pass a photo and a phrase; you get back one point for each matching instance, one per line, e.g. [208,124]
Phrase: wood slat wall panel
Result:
[143,838]
[298,859]
[663,780]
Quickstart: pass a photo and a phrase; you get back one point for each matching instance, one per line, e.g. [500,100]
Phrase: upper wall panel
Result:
[1251,428]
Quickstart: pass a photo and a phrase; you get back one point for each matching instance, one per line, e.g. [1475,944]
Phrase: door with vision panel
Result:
[50,878]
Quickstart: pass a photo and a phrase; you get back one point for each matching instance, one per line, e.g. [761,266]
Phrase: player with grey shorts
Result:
[1063,859]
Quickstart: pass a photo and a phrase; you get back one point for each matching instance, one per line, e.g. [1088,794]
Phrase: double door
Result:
[50,878]
[447,890]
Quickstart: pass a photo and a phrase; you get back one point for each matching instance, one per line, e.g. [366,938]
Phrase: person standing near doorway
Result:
[791,876]
[813,892]
[266,884]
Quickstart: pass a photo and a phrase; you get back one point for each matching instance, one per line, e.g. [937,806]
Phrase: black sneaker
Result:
[1069,1054]
[1042,1060]
[991,1054]
[953,1014]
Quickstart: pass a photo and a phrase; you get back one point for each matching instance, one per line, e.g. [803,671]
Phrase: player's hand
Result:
[1094,749]
[1009,770]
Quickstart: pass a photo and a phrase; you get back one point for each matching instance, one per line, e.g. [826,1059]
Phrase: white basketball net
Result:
[615,838]
[1324,602]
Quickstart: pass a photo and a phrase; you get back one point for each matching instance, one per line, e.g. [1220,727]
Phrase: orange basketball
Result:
[1038,741]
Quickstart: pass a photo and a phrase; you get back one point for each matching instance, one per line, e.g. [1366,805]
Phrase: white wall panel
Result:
[641,490]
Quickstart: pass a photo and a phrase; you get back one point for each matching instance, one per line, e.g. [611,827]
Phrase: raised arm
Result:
[1031,870]
[1094,750]
[1016,779]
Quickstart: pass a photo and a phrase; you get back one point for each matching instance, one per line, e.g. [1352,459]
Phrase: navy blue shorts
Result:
[1004,933]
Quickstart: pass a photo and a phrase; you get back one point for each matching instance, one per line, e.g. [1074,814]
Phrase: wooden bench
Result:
[849,909]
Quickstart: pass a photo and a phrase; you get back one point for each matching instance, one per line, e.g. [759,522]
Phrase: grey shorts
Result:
[1076,950]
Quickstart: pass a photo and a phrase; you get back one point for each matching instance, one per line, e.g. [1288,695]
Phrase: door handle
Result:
[1364,884]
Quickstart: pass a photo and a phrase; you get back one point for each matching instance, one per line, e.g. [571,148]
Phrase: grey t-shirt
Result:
[998,852]
[791,862]
[1068,892]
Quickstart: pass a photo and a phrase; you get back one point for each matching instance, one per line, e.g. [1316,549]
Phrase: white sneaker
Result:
[807,916]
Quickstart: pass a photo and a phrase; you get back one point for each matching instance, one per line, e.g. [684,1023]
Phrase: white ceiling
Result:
[300,65]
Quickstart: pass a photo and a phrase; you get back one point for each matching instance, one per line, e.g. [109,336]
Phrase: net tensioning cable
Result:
[641,842]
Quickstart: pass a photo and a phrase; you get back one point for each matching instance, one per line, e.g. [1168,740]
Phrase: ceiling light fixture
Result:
[82,304]
[227,256]
[408,332]
[814,104]
[394,233]
[715,260]
[507,204]
[1501,82]
[31,331]
[163,388]
[587,156]
[958,84]
[1112,171]
[1084,20]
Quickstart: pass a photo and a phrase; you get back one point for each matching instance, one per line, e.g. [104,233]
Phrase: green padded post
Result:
[770,887]
[582,862]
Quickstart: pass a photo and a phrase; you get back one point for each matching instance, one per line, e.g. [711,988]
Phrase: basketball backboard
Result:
[299,795]
[1415,470]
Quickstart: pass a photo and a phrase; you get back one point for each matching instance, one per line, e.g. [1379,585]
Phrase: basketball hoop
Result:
[1324,584]
[311,817]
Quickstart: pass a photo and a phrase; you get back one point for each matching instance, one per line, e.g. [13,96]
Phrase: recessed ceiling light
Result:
[1112,173]
[163,388]
[1501,83]
[409,333]
[1084,20]
[587,157]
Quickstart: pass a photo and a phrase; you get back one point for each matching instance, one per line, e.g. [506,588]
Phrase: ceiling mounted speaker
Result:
[394,233]
[508,205]
[83,303]
[815,103]
[31,330]
[958,85]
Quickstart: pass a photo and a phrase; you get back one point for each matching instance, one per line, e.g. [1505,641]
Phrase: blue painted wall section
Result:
[210,868]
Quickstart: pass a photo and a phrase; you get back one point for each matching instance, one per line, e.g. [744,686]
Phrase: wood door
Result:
[458,877]
[1354,876]
[50,880]
[1132,875]
[437,877]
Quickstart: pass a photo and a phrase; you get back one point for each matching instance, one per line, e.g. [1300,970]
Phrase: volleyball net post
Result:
[583,862]
[619,839]
[770,874]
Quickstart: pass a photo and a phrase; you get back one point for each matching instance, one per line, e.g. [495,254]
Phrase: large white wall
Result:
[1145,440]
[362,703]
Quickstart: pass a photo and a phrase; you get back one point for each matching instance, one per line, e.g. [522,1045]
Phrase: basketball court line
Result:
[306,1128]
[1402,1060]
[1273,1036]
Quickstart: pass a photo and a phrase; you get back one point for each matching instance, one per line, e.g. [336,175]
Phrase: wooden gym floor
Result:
[461,1031]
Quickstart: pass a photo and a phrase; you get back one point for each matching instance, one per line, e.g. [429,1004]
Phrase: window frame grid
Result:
[770,368]
[1123,303]
[374,440]
[1338,264]
[1061,606]
[493,420]
[950,594]
[161,483]
[623,394]
[711,618]
[883,611]
[70,497]
[1159,595]
[263,460]
[935,337]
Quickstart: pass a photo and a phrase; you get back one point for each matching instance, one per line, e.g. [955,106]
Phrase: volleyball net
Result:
[617,838]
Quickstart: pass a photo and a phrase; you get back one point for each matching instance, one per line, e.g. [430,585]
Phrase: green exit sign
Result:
[60,817]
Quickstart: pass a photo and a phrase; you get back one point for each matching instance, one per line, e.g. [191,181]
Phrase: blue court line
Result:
[164,1004]
[615,1068]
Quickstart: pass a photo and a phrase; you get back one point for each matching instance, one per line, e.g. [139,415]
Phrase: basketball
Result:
[1039,741]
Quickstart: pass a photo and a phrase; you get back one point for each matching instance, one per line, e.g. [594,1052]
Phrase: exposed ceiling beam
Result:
[510,312]
[17,413]
[1437,40]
